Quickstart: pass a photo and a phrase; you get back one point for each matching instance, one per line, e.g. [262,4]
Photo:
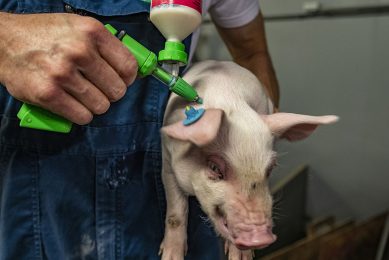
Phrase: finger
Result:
[86,93]
[49,94]
[103,76]
[117,55]
[65,105]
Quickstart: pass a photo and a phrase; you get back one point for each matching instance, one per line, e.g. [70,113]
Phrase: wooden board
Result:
[348,241]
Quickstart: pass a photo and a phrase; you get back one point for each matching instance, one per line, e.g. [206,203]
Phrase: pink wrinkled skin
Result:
[225,158]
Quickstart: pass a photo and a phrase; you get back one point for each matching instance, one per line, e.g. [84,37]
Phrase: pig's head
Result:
[234,156]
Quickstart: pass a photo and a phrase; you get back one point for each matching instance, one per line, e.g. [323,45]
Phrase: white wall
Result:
[332,66]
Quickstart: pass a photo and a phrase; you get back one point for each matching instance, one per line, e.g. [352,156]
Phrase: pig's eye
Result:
[216,173]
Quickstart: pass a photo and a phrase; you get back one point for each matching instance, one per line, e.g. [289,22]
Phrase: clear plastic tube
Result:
[172,68]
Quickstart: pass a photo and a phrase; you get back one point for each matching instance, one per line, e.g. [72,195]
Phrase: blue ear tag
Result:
[192,115]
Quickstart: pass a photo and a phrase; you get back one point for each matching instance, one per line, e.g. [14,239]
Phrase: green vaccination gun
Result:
[35,117]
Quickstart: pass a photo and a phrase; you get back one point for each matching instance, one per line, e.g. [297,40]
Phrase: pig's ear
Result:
[200,133]
[294,127]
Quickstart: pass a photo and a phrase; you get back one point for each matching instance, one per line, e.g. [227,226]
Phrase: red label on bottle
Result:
[194,4]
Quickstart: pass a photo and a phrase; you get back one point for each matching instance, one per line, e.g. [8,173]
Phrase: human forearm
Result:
[261,65]
[248,47]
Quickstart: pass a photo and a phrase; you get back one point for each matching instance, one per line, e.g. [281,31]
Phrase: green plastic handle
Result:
[147,60]
[35,117]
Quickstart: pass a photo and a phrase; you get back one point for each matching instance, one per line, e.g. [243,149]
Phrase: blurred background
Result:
[331,57]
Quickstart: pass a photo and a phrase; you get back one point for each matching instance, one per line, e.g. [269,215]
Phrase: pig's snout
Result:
[254,238]
[246,229]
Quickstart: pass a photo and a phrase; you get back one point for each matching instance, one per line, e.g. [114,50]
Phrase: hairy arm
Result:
[248,47]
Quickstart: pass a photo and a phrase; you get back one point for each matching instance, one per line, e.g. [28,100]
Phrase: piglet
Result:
[225,158]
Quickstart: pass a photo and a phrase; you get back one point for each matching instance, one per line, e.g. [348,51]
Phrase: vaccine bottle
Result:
[175,19]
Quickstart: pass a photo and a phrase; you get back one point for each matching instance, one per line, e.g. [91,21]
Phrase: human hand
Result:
[65,63]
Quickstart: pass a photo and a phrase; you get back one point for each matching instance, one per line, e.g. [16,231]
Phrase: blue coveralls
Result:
[95,193]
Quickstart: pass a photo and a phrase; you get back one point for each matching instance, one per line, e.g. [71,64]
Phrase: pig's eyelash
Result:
[218,175]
